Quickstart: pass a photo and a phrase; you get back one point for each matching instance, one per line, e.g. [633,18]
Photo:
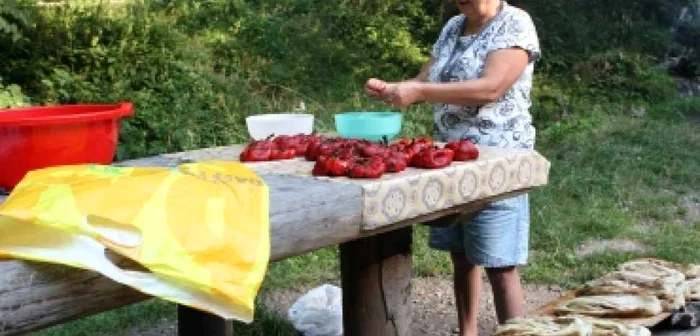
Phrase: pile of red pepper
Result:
[360,159]
[282,147]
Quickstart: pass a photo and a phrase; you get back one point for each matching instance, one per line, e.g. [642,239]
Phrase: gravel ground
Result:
[433,305]
[434,312]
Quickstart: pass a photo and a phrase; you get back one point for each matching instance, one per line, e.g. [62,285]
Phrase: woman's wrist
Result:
[417,89]
[420,90]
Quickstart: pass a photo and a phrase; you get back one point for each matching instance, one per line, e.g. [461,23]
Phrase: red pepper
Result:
[416,161]
[262,144]
[308,141]
[464,150]
[332,166]
[420,144]
[324,148]
[328,148]
[302,144]
[320,168]
[312,151]
[368,168]
[403,150]
[346,152]
[283,154]
[368,150]
[347,142]
[403,142]
[425,140]
[433,158]
[282,139]
[301,149]
[396,163]
[293,142]
[256,155]
[315,138]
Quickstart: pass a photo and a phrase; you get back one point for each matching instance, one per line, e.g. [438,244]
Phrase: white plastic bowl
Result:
[264,125]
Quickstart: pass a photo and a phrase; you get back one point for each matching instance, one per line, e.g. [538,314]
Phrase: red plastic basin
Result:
[39,137]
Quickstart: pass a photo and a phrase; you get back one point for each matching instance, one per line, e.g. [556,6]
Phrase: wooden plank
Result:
[34,295]
[550,308]
[376,281]
[306,215]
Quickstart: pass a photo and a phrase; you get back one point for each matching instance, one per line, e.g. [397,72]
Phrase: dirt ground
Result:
[434,312]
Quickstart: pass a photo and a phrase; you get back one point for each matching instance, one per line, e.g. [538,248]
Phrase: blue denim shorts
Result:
[495,237]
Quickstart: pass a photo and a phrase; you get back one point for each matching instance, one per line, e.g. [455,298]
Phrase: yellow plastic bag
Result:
[202,230]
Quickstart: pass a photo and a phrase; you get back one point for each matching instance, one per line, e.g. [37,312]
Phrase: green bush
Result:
[574,30]
[196,69]
[618,75]
[13,16]
[11,96]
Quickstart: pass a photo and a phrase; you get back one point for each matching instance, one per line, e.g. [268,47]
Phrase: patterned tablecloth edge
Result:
[388,202]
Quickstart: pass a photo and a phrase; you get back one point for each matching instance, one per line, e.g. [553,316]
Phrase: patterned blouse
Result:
[506,123]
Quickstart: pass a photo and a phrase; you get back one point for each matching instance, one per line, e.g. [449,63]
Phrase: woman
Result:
[479,79]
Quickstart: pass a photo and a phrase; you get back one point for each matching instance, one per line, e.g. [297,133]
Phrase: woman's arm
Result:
[502,70]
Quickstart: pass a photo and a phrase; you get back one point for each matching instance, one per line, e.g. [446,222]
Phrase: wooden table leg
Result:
[193,322]
[376,280]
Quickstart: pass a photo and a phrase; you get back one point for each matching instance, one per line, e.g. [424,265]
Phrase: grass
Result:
[138,315]
[606,181]
[610,172]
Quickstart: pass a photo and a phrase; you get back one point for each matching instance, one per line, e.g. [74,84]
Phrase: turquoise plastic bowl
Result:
[371,126]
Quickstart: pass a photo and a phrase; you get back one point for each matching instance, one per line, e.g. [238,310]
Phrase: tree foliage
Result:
[195,69]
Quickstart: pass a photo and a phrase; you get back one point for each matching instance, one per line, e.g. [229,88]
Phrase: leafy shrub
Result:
[196,69]
[13,16]
[617,75]
[11,96]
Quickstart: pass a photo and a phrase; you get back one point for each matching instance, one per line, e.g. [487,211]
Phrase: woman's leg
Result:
[497,239]
[467,287]
[507,293]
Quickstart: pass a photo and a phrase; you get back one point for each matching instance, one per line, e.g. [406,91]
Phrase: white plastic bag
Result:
[319,312]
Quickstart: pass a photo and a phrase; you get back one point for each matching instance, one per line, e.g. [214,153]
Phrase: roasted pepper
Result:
[283,154]
[368,168]
[332,166]
[433,158]
[464,150]
[396,162]
[256,155]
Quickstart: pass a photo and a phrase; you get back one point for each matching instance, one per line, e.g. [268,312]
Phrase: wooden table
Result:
[305,215]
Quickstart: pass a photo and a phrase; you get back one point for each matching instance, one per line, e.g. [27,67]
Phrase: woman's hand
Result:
[376,88]
[401,94]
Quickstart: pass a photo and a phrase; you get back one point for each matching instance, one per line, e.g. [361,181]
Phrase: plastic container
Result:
[39,137]
[264,125]
[372,126]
